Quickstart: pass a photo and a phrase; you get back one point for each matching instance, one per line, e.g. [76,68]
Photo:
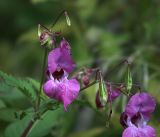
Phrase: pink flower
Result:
[136,116]
[58,86]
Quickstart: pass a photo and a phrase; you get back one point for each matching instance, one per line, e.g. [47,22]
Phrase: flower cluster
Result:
[60,65]
[59,87]
[136,115]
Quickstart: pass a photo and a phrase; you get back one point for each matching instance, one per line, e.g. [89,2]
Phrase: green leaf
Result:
[42,1]
[89,133]
[26,86]
[2,104]
[15,129]
[41,127]
[7,114]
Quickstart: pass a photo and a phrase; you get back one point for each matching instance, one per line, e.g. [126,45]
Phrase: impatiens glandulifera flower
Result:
[136,116]
[60,57]
[142,103]
[58,86]
[112,93]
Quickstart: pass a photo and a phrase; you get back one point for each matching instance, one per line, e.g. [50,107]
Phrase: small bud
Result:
[45,36]
[85,80]
[67,18]
[128,79]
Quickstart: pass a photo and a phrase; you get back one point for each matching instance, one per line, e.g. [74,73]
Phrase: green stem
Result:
[115,67]
[42,78]
[55,21]
[30,125]
[91,84]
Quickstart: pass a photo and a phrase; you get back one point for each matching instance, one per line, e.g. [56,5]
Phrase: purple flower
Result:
[60,57]
[58,86]
[136,116]
[142,103]
[113,93]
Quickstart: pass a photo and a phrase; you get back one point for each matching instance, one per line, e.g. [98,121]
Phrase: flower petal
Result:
[53,57]
[149,131]
[142,103]
[53,89]
[113,93]
[65,91]
[133,132]
[60,57]
[71,93]
[65,45]
[123,120]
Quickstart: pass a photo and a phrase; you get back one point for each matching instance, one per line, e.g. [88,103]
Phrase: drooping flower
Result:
[58,86]
[136,116]
[112,93]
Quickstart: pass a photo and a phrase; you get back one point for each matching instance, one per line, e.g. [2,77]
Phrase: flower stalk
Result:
[42,78]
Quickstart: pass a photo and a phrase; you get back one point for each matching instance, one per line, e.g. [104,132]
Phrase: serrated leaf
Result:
[41,127]
[26,86]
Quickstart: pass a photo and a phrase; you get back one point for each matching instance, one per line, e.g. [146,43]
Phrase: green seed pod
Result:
[128,79]
[103,96]
[39,30]
[67,18]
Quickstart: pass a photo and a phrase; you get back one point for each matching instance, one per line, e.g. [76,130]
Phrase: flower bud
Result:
[45,36]
[85,80]
[102,95]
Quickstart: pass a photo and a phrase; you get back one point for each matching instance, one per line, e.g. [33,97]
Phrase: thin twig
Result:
[115,67]
[57,18]
[28,128]
[91,84]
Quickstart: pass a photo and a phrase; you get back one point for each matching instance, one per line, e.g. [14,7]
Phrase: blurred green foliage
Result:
[103,33]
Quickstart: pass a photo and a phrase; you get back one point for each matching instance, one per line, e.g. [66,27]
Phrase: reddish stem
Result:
[28,128]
